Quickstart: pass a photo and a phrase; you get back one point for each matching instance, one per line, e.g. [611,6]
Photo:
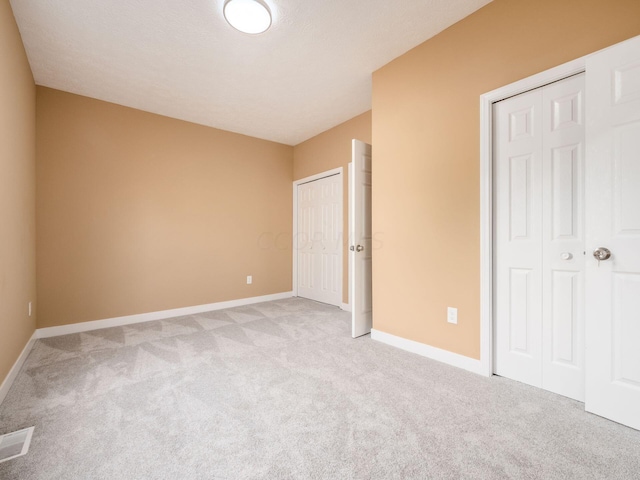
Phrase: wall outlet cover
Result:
[452,315]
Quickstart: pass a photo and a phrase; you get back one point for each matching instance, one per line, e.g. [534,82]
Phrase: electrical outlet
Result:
[30,310]
[249,279]
[452,315]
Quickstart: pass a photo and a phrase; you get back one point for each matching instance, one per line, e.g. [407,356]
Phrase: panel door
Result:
[319,240]
[539,237]
[360,254]
[613,222]
[518,238]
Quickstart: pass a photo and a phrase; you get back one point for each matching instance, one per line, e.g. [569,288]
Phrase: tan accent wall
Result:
[17,193]
[329,150]
[426,157]
[138,213]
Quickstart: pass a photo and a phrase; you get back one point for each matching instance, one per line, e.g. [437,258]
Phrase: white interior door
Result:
[613,222]
[539,237]
[360,250]
[319,240]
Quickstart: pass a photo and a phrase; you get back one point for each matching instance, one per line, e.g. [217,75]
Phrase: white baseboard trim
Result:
[147,317]
[444,356]
[13,373]
[346,307]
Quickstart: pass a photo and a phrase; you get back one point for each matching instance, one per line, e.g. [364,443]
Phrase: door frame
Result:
[487,100]
[296,183]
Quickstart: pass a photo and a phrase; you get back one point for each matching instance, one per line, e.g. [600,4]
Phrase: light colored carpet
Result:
[279,390]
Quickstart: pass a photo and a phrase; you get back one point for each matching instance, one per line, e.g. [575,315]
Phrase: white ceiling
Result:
[309,72]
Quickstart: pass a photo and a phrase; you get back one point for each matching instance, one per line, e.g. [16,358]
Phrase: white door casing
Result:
[361,244]
[613,222]
[539,242]
[318,240]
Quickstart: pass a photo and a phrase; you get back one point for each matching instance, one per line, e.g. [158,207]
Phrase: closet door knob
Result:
[602,253]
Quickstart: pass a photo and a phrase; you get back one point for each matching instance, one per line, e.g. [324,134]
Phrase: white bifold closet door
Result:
[319,240]
[613,222]
[539,260]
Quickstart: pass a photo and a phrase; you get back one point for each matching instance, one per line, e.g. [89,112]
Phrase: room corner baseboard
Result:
[346,307]
[13,373]
[148,317]
[444,356]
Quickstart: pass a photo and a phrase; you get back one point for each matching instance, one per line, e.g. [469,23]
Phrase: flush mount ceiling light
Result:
[248,16]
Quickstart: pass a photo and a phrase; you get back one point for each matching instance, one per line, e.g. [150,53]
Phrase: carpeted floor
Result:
[280,390]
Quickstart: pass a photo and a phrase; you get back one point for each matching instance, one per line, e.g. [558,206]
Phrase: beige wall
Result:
[426,157]
[17,193]
[329,150]
[137,212]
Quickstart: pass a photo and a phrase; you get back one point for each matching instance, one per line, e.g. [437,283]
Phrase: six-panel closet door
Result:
[613,225]
[539,237]
[319,240]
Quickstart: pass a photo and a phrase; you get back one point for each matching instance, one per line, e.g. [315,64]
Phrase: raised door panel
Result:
[565,191]
[626,329]
[305,271]
[521,123]
[520,197]
[565,321]
[521,319]
[626,83]
[626,210]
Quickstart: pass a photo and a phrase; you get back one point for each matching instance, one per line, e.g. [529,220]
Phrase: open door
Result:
[361,244]
[613,234]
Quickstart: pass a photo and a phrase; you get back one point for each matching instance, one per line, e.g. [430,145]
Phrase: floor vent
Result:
[15,444]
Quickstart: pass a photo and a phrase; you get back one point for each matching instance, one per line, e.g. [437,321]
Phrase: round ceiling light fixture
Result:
[248,16]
